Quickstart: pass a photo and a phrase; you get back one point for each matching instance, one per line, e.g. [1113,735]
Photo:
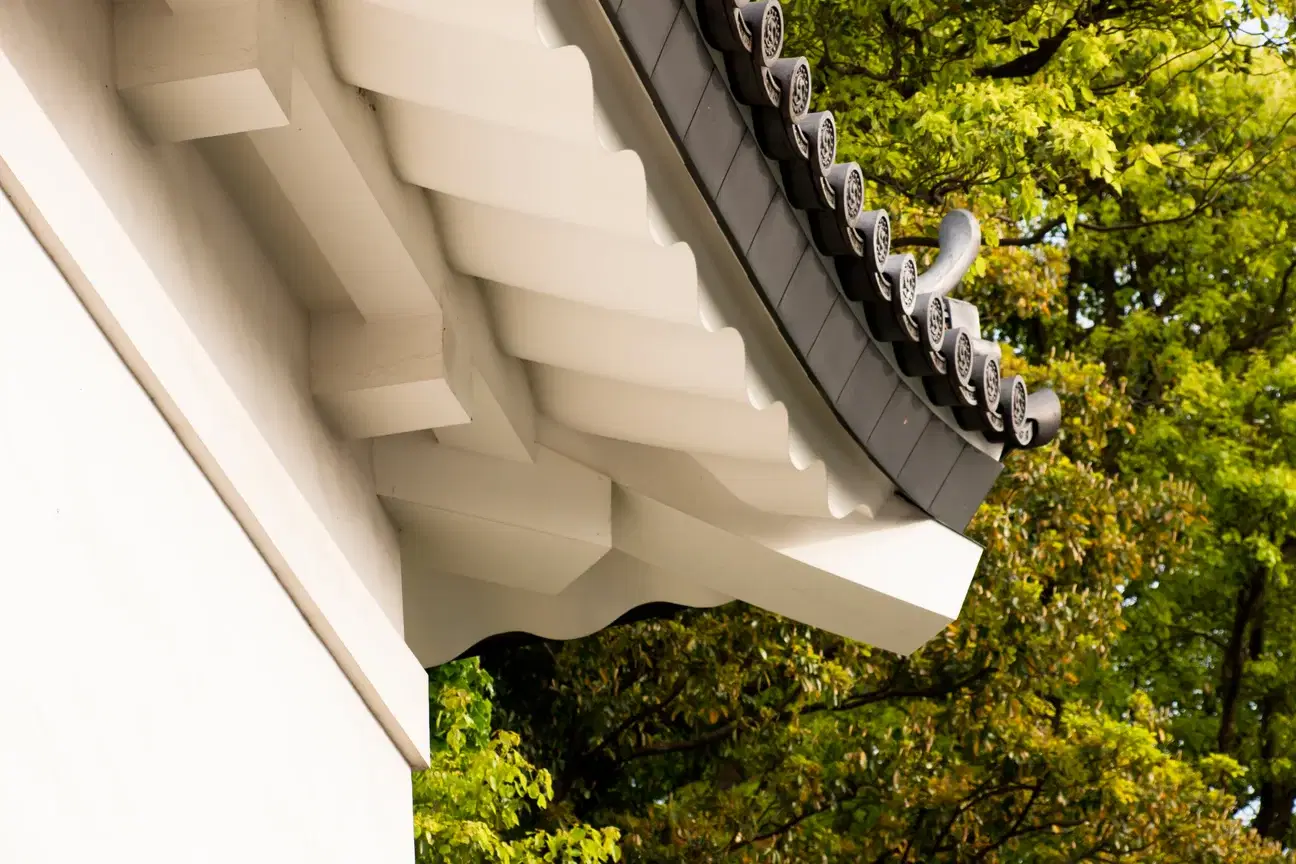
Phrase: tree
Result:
[735,735]
[468,804]
[1117,686]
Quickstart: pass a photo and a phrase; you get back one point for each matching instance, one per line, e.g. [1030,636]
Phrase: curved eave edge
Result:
[513,640]
[882,342]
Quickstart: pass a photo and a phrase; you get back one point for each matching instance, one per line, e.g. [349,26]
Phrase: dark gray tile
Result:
[897,431]
[837,349]
[937,450]
[867,392]
[715,133]
[682,72]
[746,193]
[777,248]
[645,24]
[807,301]
[968,484]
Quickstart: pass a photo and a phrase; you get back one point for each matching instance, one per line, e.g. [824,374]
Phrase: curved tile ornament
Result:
[935,338]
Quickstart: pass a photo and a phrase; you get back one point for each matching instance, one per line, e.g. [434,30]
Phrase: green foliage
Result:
[460,693]
[738,736]
[1119,685]
[469,804]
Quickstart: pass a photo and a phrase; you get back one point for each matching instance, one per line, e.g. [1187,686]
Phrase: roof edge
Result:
[923,395]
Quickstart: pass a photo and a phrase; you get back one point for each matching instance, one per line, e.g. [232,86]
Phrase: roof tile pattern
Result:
[824,264]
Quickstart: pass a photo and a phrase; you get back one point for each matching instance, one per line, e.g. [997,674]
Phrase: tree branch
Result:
[785,827]
[1029,63]
[889,691]
[650,710]
[1248,599]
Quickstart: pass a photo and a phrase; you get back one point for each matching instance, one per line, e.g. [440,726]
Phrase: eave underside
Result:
[468,350]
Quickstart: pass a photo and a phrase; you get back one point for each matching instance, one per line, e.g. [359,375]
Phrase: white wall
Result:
[161,698]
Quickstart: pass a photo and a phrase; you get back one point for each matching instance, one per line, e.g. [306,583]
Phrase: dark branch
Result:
[1029,63]
[1234,660]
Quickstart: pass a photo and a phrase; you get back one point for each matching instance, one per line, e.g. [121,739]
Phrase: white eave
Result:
[494,112]
[554,374]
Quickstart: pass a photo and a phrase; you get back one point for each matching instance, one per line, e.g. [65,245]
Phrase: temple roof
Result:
[537,345]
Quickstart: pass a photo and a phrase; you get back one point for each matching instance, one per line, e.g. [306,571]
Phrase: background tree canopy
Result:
[470,802]
[1119,686]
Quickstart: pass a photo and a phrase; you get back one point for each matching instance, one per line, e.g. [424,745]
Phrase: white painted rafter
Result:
[664,355]
[611,271]
[378,241]
[196,69]
[560,219]
[859,584]
[350,215]
[553,178]
[389,376]
[438,57]
[536,526]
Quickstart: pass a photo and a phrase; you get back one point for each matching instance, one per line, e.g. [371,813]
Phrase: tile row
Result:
[870,329]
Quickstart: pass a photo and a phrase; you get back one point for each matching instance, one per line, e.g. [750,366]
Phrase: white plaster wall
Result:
[161,698]
[170,203]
